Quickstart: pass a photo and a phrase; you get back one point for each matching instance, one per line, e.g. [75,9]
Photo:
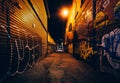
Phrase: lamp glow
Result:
[65,12]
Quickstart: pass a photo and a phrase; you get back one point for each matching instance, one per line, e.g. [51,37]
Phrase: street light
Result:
[64,12]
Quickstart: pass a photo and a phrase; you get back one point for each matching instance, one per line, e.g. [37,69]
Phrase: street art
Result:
[111,43]
[25,50]
[106,3]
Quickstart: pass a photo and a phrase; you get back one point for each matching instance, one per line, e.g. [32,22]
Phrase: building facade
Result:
[23,35]
[89,20]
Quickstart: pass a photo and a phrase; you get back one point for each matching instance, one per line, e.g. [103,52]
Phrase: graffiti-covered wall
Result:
[23,35]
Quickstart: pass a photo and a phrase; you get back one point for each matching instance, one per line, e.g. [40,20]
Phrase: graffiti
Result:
[85,49]
[102,5]
[111,42]
[5,30]
[25,49]
[106,3]
[88,15]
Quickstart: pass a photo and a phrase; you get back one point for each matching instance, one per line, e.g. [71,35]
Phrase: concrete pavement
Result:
[63,68]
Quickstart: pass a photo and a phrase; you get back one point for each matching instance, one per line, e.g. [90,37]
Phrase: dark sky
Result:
[56,25]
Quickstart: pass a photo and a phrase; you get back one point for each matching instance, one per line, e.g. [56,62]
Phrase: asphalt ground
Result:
[64,68]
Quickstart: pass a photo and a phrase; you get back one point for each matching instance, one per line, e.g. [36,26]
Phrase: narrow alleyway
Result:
[63,68]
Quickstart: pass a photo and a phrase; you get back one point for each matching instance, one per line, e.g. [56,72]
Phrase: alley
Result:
[35,34]
[63,68]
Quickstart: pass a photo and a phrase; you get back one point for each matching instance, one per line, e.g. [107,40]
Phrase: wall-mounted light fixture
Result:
[33,25]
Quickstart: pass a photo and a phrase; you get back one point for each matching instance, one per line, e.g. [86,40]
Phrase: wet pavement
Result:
[63,68]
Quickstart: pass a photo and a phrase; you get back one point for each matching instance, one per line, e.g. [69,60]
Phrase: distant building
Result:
[51,44]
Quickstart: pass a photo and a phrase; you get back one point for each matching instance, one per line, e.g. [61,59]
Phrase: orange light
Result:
[65,12]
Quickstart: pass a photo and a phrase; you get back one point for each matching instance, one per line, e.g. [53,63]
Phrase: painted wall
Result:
[82,19]
[23,35]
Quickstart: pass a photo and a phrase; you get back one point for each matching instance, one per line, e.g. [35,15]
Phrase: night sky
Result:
[56,25]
